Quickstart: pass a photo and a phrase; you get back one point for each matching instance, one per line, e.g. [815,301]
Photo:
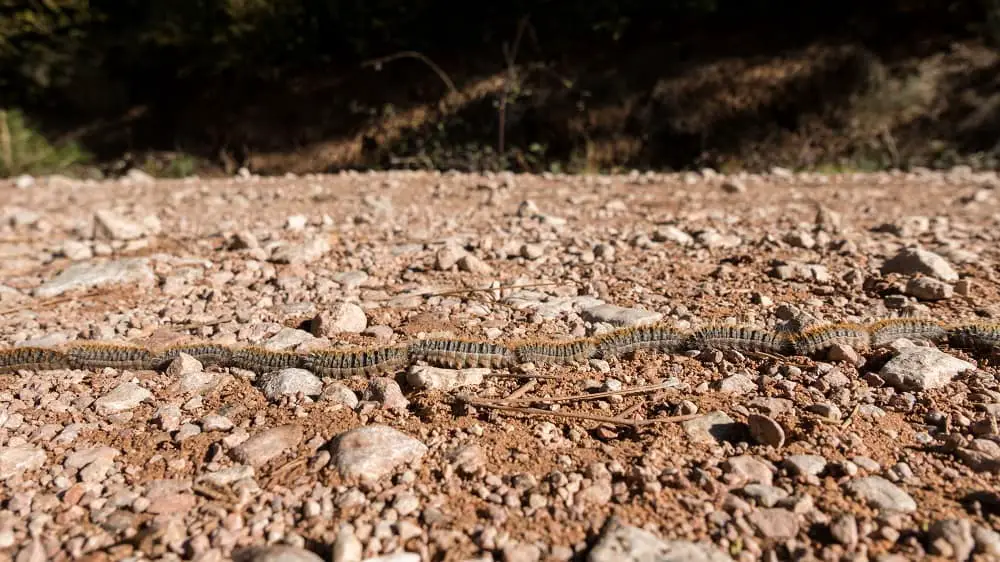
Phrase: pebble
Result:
[670,233]
[532,251]
[922,368]
[288,338]
[433,378]
[711,427]
[448,257]
[928,289]
[301,254]
[826,410]
[733,185]
[766,430]
[345,317]
[18,459]
[474,265]
[183,365]
[134,272]
[979,461]
[201,382]
[623,543]
[620,316]
[520,552]
[123,398]
[296,222]
[844,530]
[846,353]
[267,444]
[912,261]
[951,538]
[764,494]
[372,452]
[750,468]
[275,553]
[24,181]
[987,541]
[881,494]
[347,547]
[737,384]
[76,251]
[215,422]
[386,392]
[805,465]
[34,551]
[351,279]
[109,225]
[289,382]
[339,393]
[396,557]
[775,523]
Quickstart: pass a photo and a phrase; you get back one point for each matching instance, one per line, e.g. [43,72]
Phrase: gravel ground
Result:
[890,455]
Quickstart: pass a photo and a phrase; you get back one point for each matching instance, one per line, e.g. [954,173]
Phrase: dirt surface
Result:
[135,465]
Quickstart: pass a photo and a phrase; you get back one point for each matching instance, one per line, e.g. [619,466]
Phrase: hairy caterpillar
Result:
[206,353]
[820,338]
[460,353]
[977,335]
[32,359]
[336,363]
[556,352]
[97,355]
[623,341]
[740,338]
[886,331]
[260,360]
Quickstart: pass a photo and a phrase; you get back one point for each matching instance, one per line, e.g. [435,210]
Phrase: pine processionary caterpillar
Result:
[260,360]
[336,363]
[820,338]
[976,335]
[32,359]
[206,353]
[556,352]
[98,355]
[461,354]
[884,332]
[623,341]
[740,338]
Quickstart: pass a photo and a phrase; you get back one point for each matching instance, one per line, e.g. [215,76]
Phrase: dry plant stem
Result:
[850,417]
[596,395]
[540,412]
[377,63]
[525,376]
[635,424]
[522,390]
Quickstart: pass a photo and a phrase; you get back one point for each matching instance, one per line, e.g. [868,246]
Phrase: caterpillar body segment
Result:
[740,338]
[207,354]
[462,354]
[334,363]
[818,339]
[98,355]
[556,352]
[884,332]
[32,359]
[975,335]
[260,360]
[658,337]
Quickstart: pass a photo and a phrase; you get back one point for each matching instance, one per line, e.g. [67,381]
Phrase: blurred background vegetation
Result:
[176,87]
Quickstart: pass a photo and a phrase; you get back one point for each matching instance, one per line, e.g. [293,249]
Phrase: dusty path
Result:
[822,459]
